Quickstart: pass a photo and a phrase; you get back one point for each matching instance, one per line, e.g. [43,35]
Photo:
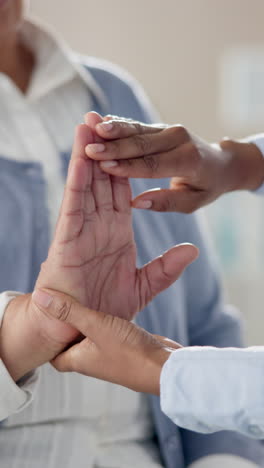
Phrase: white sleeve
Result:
[14,397]
[258,140]
[220,461]
[208,389]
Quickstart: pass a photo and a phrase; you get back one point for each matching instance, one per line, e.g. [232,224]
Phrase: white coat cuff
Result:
[206,389]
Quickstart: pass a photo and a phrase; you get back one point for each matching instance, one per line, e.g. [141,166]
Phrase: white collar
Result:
[55,65]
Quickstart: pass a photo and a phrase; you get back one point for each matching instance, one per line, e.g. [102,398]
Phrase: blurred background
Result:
[202,64]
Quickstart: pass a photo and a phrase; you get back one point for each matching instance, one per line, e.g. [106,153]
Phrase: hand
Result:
[200,171]
[93,255]
[29,337]
[113,349]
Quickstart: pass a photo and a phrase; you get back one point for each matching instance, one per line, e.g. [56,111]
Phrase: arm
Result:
[120,345]
[211,323]
[92,254]
[151,358]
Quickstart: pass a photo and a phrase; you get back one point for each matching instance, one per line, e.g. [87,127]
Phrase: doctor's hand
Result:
[200,172]
[112,349]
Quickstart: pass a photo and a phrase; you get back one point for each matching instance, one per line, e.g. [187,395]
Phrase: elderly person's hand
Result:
[93,255]
[200,171]
[112,349]
[92,258]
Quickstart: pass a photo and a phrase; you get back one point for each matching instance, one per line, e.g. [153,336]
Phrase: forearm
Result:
[246,165]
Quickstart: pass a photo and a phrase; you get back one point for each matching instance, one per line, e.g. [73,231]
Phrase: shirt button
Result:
[255,430]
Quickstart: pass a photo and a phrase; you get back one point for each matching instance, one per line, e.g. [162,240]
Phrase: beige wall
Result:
[174,47]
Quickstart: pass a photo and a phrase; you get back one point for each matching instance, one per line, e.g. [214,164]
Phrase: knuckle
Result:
[113,149]
[169,204]
[63,310]
[142,143]
[123,128]
[110,117]
[180,133]
[151,163]
[138,128]
[108,321]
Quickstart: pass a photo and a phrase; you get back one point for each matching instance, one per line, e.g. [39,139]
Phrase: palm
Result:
[93,255]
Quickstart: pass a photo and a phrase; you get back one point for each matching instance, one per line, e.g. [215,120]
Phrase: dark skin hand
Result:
[200,172]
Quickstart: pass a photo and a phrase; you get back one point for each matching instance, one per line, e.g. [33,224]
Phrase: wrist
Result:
[22,346]
[246,167]
[152,373]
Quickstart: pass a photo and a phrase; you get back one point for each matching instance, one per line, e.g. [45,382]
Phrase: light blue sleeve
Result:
[206,389]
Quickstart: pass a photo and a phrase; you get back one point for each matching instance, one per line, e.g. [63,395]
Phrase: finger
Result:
[153,166]
[73,359]
[183,200]
[62,307]
[181,162]
[159,274]
[114,190]
[101,182]
[122,196]
[139,145]
[78,201]
[64,362]
[167,342]
[92,119]
[113,129]
[102,190]
[83,136]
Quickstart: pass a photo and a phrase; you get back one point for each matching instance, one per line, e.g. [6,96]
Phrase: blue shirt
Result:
[191,311]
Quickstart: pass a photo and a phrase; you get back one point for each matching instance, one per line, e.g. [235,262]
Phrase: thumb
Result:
[162,272]
[181,199]
[65,309]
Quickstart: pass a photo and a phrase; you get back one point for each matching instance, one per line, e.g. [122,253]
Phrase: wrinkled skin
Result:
[93,255]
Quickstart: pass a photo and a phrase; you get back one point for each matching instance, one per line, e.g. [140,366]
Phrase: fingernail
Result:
[108,164]
[41,298]
[143,204]
[107,126]
[95,148]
